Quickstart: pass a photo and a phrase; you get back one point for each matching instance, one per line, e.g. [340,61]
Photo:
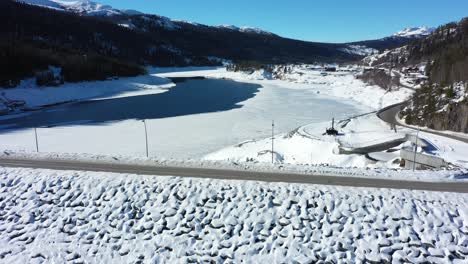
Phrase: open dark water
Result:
[188,97]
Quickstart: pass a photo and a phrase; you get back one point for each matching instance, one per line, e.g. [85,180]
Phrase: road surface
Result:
[460,187]
[390,113]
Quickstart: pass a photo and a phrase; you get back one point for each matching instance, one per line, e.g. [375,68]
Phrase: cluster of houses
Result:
[414,75]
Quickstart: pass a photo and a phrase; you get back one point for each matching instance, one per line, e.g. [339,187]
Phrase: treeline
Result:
[87,48]
[19,60]
[434,106]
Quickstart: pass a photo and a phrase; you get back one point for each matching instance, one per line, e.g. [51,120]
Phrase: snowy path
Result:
[84,217]
[223,174]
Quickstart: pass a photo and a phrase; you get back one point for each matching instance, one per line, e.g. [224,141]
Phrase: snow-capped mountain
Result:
[413,32]
[399,39]
[43,3]
[90,8]
[246,29]
[84,7]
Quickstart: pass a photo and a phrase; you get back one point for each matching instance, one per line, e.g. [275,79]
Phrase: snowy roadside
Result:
[454,175]
[67,216]
[446,132]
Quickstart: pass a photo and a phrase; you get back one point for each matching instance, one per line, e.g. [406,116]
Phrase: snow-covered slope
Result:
[246,29]
[414,32]
[43,3]
[359,50]
[84,7]
[90,8]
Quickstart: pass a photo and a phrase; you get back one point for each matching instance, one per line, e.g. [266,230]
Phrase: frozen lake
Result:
[190,96]
[192,119]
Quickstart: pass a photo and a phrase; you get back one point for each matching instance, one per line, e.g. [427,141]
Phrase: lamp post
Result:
[146,138]
[415,149]
[37,142]
[272,140]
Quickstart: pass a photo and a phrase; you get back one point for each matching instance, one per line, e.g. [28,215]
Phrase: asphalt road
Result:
[459,187]
[389,114]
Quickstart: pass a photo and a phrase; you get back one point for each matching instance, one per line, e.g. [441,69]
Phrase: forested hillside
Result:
[442,103]
[86,48]
[94,47]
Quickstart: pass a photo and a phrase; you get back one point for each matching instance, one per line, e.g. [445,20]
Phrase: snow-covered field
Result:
[81,217]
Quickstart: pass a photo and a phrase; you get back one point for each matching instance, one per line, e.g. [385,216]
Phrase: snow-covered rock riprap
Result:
[49,216]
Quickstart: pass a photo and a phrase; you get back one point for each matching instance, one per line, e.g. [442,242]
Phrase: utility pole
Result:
[415,149]
[272,140]
[37,143]
[146,138]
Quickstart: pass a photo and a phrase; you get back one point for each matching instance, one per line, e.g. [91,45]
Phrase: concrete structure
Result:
[383,146]
[422,161]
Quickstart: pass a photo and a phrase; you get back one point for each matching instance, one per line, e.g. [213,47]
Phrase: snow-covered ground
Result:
[302,105]
[56,217]
[308,145]
[35,96]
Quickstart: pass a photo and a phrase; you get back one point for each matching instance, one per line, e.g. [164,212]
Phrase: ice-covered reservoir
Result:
[194,118]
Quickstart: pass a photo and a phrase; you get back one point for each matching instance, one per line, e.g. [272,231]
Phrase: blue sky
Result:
[313,20]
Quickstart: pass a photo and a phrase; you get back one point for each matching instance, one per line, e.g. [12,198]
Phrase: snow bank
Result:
[49,216]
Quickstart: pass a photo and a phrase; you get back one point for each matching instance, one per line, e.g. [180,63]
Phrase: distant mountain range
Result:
[84,7]
[90,8]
